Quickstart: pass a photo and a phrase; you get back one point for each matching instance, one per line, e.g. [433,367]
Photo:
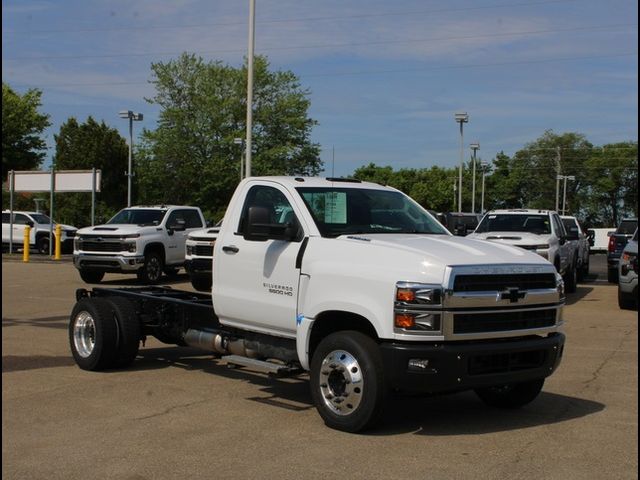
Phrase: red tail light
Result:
[612,244]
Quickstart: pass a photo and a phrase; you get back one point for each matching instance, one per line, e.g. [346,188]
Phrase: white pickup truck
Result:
[143,240]
[198,257]
[358,285]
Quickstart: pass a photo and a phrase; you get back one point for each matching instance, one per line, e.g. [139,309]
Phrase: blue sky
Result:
[386,78]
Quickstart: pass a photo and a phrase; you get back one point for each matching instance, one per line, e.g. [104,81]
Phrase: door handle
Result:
[230,249]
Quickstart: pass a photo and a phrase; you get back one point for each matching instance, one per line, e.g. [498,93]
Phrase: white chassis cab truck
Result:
[356,284]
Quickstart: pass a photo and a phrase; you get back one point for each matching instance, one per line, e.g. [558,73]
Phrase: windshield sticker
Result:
[336,207]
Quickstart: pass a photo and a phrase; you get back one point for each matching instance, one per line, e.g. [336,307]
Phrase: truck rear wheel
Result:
[202,283]
[128,331]
[513,395]
[151,272]
[93,334]
[91,276]
[347,381]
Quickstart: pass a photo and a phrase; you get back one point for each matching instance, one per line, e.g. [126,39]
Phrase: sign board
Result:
[65,181]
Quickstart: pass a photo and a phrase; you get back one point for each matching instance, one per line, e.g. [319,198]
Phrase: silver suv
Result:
[540,231]
[581,245]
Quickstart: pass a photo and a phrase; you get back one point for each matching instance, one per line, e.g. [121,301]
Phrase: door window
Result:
[279,209]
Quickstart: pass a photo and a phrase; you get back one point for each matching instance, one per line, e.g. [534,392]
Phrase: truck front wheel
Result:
[347,381]
[513,395]
[152,270]
[202,283]
[93,334]
[91,276]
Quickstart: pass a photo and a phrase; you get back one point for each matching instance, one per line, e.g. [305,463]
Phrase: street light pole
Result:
[484,171]
[564,195]
[461,118]
[474,147]
[137,117]
[240,141]
[252,29]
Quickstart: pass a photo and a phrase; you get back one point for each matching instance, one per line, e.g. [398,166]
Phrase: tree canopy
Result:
[23,147]
[83,146]
[191,156]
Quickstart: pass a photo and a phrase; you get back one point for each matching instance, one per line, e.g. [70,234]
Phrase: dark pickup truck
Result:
[617,241]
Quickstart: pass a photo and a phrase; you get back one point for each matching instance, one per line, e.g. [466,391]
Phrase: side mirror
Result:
[562,240]
[259,227]
[30,223]
[609,234]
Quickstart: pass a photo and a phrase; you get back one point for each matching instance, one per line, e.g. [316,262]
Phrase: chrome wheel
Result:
[341,382]
[84,334]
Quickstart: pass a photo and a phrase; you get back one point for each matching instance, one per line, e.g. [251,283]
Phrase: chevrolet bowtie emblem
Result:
[513,294]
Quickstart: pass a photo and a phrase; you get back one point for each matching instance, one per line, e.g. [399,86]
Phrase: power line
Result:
[337,45]
[361,72]
[288,20]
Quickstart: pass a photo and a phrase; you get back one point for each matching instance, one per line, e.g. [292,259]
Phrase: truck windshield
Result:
[40,218]
[627,227]
[345,211]
[538,224]
[138,216]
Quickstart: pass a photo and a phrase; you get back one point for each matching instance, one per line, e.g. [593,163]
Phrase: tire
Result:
[91,276]
[129,331]
[151,272]
[612,275]
[514,395]
[93,334]
[584,270]
[42,245]
[571,280]
[201,283]
[347,381]
[627,301]
[171,271]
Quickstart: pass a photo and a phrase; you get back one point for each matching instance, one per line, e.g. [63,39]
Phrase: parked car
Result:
[461,223]
[40,230]
[628,275]
[581,245]
[198,259]
[540,231]
[617,242]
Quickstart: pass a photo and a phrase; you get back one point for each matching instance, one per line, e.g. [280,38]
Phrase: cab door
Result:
[256,282]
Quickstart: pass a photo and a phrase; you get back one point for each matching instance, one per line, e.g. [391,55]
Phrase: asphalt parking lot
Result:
[176,413]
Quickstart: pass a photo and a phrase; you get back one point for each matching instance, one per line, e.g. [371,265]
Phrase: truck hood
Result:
[448,250]
[117,230]
[512,238]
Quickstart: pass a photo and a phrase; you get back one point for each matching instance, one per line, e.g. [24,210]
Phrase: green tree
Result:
[83,146]
[191,157]
[22,126]
[613,186]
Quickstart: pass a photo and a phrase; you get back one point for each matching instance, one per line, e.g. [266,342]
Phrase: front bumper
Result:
[108,263]
[456,366]
[198,265]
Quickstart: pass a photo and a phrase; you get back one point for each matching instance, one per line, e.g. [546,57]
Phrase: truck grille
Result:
[89,246]
[487,283]
[203,250]
[503,321]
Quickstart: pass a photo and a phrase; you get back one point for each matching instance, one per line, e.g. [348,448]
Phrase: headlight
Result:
[129,246]
[417,307]
[77,243]
[544,246]
[189,249]
[560,287]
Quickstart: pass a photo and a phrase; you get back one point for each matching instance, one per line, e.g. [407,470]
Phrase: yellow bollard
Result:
[58,242]
[25,243]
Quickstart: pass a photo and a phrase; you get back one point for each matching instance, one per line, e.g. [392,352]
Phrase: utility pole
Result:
[564,196]
[252,30]
[461,118]
[474,147]
[557,176]
[484,171]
